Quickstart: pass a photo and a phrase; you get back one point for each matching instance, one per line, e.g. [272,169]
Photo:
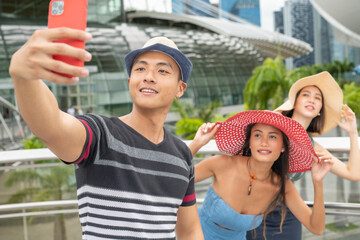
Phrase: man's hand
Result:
[34,59]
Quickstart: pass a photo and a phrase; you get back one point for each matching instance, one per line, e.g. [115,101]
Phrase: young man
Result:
[135,180]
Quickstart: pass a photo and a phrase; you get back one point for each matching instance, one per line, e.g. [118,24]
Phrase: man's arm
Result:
[188,224]
[61,132]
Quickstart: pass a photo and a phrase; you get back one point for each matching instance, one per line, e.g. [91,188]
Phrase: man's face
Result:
[154,81]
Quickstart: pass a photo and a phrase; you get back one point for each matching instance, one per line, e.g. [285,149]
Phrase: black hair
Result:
[280,168]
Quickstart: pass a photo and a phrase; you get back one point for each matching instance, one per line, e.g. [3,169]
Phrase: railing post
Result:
[25,226]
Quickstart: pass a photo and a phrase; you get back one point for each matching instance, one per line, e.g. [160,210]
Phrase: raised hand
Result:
[321,166]
[203,135]
[349,120]
[34,59]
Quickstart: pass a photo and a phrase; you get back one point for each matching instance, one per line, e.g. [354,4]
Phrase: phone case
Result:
[71,14]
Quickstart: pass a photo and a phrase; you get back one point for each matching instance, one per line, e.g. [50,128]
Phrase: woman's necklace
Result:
[252,177]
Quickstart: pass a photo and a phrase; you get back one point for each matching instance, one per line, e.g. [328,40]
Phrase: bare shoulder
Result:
[234,160]
[222,161]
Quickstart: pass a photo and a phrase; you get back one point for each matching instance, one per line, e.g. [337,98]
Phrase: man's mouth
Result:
[148,90]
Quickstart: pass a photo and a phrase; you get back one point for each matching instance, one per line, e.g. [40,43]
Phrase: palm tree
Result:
[351,93]
[43,184]
[193,117]
[270,83]
[337,68]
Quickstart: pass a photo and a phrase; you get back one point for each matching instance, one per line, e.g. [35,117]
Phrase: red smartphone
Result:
[71,14]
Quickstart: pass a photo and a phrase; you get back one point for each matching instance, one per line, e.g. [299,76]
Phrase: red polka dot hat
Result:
[230,137]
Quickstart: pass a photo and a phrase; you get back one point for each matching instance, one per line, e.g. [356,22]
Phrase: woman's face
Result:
[266,142]
[309,102]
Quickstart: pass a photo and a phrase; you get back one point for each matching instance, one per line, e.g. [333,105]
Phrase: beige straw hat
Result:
[332,95]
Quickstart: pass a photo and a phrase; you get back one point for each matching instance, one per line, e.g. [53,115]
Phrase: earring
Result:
[318,114]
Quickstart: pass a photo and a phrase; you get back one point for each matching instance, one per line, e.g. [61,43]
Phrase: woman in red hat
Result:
[248,183]
[316,102]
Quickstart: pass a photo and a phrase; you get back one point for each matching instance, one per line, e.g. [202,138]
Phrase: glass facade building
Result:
[187,7]
[221,65]
[299,24]
[248,10]
[279,21]
[300,20]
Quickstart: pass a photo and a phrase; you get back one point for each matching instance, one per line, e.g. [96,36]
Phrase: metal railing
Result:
[23,159]
[25,209]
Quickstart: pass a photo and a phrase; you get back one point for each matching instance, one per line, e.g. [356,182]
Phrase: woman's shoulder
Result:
[235,159]
[226,160]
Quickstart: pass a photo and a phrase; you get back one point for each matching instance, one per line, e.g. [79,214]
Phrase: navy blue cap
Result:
[166,46]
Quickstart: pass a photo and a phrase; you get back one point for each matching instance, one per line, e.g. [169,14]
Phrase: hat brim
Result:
[230,137]
[182,61]
[332,94]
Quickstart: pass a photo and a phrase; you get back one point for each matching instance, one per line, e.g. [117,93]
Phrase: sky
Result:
[267,7]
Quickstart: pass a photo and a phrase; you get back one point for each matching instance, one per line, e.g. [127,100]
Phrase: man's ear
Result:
[181,89]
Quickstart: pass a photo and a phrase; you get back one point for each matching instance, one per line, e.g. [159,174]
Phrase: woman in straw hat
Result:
[316,102]
[264,147]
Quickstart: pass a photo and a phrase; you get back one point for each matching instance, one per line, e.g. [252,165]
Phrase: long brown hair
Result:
[317,123]
[280,168]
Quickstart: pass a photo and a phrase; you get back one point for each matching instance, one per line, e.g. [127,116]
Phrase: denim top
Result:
[215,211]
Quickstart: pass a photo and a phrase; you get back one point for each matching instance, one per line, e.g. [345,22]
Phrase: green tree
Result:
[33,142]
[193,117]
[270,83]
[337,68]
[43,184]
[351,93]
